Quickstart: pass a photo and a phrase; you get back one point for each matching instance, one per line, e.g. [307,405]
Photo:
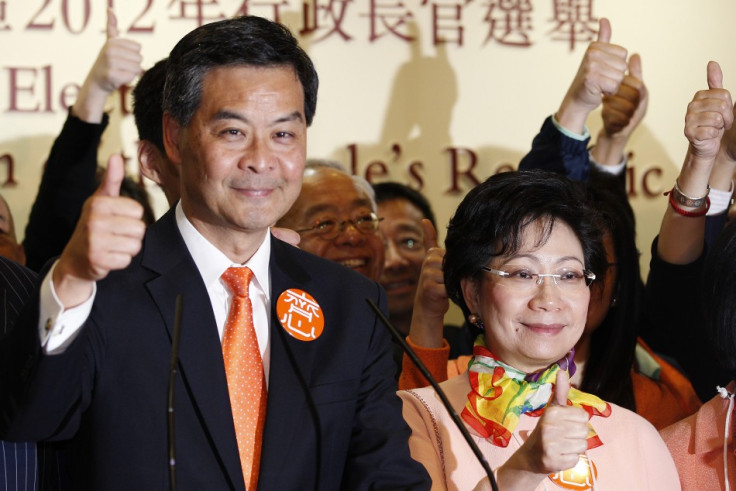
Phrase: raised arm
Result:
[600,74]
[117,64]
[427,321]
[709,115]
[69,174]
[561,145]
[622,112]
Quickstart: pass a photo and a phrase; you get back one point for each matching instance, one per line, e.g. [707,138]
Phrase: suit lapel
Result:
[200,351]
[289,404]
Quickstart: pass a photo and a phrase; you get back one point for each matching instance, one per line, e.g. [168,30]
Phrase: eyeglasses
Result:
[330,227]
[523,280]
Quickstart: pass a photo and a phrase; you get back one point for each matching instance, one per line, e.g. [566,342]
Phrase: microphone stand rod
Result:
[460,425]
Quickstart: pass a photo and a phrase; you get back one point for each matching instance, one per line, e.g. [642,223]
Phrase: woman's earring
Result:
[475,320]
[614,301]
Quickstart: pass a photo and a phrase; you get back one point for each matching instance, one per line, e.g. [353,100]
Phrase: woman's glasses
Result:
[568,279]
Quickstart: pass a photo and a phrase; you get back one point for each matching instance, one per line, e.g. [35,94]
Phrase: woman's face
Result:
[531,328]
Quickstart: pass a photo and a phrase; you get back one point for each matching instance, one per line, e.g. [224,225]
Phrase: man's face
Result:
[242,154]
[330,195]
[402,230]
[9,246]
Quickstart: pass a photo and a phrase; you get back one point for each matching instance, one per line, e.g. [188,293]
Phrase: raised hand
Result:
[556,444]
[109,233]
[288,235]
[118,63]
[623,111]
[431,302]
[601,72]
[708,116]
[728,141]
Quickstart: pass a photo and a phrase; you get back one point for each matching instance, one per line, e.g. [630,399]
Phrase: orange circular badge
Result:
[579,477]
[300,315]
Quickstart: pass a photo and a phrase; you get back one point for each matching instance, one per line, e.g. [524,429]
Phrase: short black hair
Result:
[240,41]
[148,96]
[388,191]
[491,219]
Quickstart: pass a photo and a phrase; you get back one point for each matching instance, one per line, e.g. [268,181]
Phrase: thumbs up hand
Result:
[623,111]
[107,236]
[556,444]
[431,302]
[600,74]
[119,61]
[117,64]
[708,116]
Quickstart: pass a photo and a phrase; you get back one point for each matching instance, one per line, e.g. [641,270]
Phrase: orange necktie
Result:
[244,370]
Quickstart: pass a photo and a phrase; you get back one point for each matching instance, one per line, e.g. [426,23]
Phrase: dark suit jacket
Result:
[23,466]
[17,284]
[333,419]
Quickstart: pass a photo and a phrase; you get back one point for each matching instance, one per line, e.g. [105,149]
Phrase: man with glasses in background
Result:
[336,218]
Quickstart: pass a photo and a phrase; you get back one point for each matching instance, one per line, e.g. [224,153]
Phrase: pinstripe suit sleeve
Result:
[19,467]
[17,285]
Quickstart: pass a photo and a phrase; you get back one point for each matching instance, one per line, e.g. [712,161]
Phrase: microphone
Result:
[173,362]
[445,402]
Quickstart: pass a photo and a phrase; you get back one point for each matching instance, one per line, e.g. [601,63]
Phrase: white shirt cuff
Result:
[57,326]
[570,134]
[616,170]
[719,201]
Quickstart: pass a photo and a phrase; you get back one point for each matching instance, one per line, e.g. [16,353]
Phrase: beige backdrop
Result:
[404,104]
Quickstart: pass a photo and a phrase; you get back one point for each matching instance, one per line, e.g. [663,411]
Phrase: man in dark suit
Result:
[17,283]
[239,96]
[23,466]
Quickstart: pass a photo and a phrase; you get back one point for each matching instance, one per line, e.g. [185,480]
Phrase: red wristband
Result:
[685,213]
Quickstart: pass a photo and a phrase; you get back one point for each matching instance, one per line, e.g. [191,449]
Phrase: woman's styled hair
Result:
[491,219]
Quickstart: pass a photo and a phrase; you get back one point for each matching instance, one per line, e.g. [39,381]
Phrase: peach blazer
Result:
[632,457]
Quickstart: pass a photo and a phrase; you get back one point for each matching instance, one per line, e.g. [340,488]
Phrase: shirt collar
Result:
[211,262]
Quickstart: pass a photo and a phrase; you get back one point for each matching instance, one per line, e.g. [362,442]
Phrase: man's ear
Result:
[172,136]
[149,159]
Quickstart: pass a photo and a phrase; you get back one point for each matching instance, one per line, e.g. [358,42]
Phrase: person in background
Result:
[9,246]
[606,77]
[69,176]
[24,465]
[704,320]
[408,226]
[670,313]
[335,216]
[402,210]
[148,114]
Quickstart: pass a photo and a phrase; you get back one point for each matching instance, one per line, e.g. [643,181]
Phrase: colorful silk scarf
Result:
[501,394]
